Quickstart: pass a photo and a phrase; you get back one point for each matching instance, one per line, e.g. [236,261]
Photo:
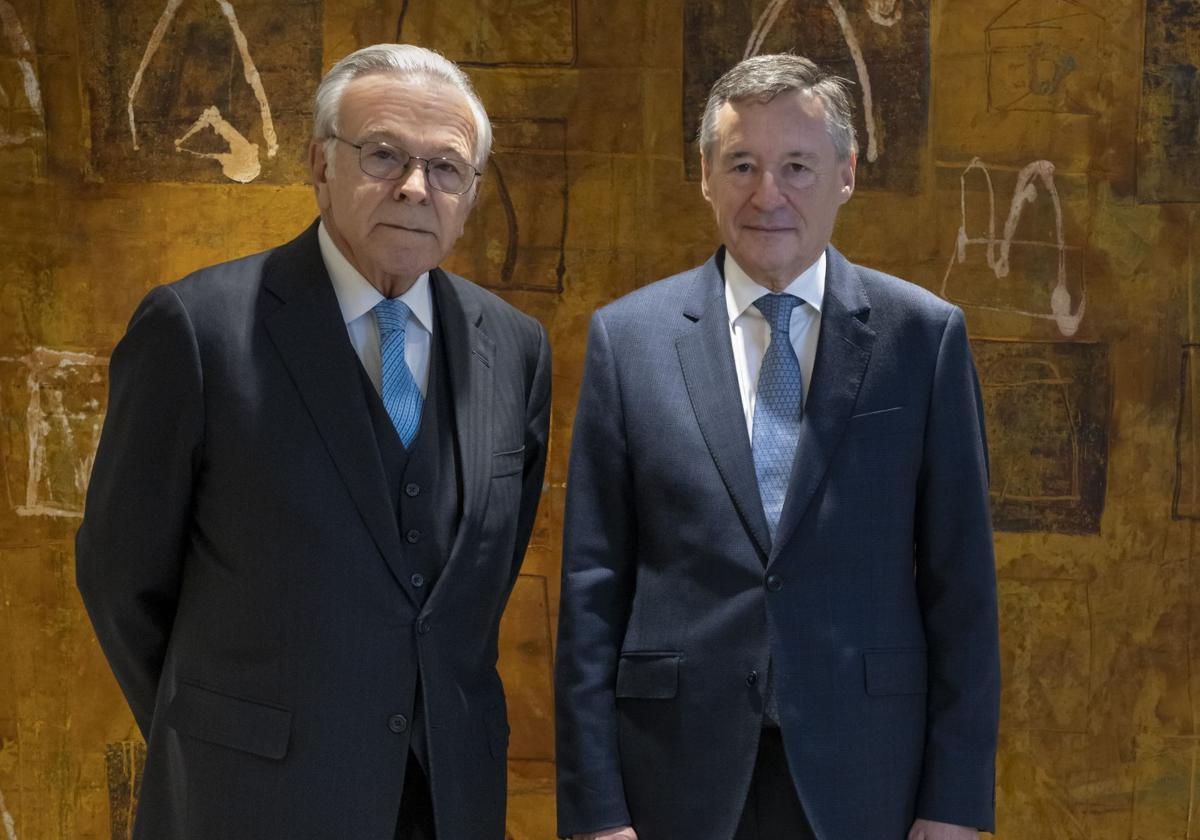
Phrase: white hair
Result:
[405,61]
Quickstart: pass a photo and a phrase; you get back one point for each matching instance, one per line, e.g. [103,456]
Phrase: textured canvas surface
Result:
[1035,165]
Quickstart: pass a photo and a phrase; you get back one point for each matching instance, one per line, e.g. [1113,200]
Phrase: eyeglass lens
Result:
[382,161]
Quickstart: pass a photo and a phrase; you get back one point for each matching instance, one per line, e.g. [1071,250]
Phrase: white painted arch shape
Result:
[241,163]
[1025,192]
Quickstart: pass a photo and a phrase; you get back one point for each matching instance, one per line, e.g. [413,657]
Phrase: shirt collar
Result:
[356,296]
[741,291]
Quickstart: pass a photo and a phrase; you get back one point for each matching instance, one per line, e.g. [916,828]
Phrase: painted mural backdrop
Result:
[1037,162]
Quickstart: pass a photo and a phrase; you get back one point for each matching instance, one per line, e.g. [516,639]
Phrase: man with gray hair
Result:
[778,614]
[314,489]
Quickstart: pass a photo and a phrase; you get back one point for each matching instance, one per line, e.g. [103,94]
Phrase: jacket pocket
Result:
[882,421]
[495,723]
[648,676]
[895,671]
[246,725]
[507,463]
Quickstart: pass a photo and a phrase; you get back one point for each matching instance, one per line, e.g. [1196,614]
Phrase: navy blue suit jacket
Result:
[242,563]
[876,603]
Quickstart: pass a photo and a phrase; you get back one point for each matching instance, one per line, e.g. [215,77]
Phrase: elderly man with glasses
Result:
[316,482]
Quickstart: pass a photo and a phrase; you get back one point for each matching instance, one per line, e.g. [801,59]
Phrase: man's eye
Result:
[447,167]
[743,168]
[384,155]
[796,168]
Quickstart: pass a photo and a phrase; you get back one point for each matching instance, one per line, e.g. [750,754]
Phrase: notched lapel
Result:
[843,352]
[308,331]
[470,354]
[706,356]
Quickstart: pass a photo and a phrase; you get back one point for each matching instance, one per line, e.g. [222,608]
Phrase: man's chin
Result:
[412,266]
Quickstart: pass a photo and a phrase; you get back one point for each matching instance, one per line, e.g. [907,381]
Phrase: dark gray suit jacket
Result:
[244,571]
[876,603]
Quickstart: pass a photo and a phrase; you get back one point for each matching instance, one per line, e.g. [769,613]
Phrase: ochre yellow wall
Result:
[1095,420]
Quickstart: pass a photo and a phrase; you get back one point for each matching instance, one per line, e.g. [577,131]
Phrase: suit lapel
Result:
[469,357]
[310,335]
[843,351]
[706,356]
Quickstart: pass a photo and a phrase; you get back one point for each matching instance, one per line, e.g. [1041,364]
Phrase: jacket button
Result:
[413,535]
[752,678]
[774,583]
[398,723]
[412,489]
[417,580]
[423,626]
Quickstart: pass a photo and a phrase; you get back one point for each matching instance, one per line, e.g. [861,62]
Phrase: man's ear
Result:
[847,170]
[704,178]
[318,167]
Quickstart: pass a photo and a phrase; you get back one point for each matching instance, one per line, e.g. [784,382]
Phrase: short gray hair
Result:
[763,77]
[406,62]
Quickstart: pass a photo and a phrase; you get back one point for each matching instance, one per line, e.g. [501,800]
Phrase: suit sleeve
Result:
[599,553]
[129,550]
[537,430]
[956,585]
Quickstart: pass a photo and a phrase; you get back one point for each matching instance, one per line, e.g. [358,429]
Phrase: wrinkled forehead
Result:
[408,108]
[795,118]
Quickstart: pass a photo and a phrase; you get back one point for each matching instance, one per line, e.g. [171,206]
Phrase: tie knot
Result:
[777,309]
[392,315]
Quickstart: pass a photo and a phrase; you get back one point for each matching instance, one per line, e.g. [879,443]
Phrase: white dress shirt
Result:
[750,333]
[357,298]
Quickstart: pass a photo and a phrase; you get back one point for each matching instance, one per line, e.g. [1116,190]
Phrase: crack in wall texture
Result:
[1031,156]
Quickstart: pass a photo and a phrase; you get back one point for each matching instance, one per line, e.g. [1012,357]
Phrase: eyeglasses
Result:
[379,160]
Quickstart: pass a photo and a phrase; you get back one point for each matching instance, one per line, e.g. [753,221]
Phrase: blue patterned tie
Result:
[401,396]
[777,408]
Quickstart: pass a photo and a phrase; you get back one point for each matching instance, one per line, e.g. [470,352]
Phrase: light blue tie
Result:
[401,396]
[777,408]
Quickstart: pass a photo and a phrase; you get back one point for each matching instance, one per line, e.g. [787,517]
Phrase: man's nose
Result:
[412,185]
[767,195]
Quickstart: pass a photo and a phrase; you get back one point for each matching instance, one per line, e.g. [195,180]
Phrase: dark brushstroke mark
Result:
[510,216]
[1184,421]
[125,762]
[521,194]
[400,23]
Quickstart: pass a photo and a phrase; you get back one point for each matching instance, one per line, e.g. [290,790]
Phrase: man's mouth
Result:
[398,226]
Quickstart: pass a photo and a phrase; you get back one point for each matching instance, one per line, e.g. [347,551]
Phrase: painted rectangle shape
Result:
[53,409]
[517,32]
[881,47]
[1046,406]
[1169,123]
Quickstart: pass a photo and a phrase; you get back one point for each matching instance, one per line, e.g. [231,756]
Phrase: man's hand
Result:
[930,830]
[623,833]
